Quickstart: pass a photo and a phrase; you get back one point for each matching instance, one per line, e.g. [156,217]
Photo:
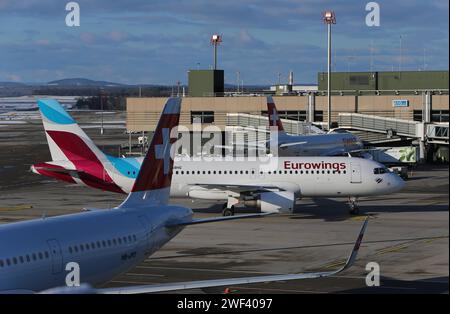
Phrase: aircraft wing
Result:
[292,144]
[216,219]
[238,281]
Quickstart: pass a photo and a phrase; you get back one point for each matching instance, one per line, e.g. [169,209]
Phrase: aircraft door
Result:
[56,256]
[355,173]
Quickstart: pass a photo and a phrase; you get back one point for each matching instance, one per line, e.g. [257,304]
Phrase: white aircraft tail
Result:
[152,185]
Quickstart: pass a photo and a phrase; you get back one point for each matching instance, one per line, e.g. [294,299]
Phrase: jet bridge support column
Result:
[426,107]
[311,107]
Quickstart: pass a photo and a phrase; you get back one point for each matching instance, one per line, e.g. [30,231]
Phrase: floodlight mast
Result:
[215,41]
[329,18]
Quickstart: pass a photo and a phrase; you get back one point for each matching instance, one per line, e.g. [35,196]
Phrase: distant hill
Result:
[82,82]
[11,84]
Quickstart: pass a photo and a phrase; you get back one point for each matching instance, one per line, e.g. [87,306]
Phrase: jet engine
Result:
[273,202]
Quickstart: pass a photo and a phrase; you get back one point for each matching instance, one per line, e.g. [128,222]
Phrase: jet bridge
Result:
[425,134]
[290,126]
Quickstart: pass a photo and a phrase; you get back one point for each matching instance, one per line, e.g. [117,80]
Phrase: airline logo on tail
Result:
[274,119]
[156,169]
[70,146]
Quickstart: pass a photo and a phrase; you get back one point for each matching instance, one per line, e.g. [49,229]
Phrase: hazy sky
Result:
[156,42]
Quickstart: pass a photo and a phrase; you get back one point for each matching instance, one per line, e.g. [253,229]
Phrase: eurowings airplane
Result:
[35,254]
[76,159]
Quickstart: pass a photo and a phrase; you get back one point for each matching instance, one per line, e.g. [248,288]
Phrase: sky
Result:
[158,41]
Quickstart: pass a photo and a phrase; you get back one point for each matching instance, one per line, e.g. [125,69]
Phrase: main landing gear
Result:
[228,207]
[227,211]
[354,208]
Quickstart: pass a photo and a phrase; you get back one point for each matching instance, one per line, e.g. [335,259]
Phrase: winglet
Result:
[274,119]
[351,259]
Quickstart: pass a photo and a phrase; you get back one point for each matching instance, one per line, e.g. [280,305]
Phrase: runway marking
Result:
[15,207]
[361,218]
[334,264]
[228,252]
[393,249]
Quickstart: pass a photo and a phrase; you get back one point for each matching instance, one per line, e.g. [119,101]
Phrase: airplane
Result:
[39,255]
[272,184]
[326,144]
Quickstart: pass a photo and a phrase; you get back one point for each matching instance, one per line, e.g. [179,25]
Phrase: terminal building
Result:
[409,107]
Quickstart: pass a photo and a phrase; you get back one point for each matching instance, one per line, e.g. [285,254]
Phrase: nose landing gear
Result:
[354,208]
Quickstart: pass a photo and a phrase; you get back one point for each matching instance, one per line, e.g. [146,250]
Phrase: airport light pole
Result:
[102,93]
[329,18]
[215,41]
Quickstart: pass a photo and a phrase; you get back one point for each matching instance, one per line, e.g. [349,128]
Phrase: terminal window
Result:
[439,116]
[202,117]
[417,115]
[318,116]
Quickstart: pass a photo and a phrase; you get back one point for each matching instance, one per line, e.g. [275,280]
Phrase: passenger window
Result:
[40,255]
[70,250]
[14,260]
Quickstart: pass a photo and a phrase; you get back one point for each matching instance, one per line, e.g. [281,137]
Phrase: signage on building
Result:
[400,103]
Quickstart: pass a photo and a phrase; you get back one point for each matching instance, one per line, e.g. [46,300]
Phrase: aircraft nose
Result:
[397,183]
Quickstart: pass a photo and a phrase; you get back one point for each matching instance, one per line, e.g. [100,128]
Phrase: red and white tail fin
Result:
[66,140]
[152,185]
[274,119]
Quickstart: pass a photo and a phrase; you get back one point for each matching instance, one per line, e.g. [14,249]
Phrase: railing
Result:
[438,132]
[290,126]
[378,124]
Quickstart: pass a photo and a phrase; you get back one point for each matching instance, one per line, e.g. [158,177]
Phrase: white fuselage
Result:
[104,243]
[305,176]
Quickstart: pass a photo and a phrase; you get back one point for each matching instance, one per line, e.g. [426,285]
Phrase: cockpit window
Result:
[379,170]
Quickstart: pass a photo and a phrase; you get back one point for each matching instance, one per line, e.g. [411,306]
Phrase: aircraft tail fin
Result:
[274,119]
[152,185]
[66,140]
